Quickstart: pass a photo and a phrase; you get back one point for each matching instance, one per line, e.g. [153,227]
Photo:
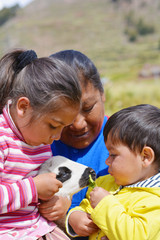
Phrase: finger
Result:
[51,217]
[91,230]
[46,204]
[54,211]
[89,216]
[92,226]
[86,231]
[46,210]
[50,209]
[60,184]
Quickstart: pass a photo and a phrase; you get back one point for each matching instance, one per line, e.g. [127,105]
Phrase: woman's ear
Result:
[23,105]
[103,98]
[148,156]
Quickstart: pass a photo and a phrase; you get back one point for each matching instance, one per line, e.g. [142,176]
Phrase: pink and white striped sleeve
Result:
[19,194]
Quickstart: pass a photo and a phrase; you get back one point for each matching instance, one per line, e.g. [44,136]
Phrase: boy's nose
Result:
[108,161]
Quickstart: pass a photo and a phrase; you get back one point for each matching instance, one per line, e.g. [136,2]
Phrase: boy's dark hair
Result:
[85,68]
[135,127]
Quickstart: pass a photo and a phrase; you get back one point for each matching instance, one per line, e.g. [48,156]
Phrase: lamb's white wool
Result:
[74,176]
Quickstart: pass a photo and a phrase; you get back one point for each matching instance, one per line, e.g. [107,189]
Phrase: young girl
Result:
[126,203]
[38,97]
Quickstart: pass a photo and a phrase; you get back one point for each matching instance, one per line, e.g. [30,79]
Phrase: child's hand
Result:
[96,195]
[55,208]
[47,185]
[82,223]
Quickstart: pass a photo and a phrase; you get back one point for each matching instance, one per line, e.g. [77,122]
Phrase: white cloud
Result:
[10,3]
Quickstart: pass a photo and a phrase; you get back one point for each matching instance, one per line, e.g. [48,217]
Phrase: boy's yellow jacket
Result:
[131,214]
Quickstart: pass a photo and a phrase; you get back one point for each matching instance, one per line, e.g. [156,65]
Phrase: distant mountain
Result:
[115,34]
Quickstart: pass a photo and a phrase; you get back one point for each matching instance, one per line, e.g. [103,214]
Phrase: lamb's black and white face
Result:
[73,175]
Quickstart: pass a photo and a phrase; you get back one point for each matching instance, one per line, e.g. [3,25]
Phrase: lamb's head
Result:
[73,175]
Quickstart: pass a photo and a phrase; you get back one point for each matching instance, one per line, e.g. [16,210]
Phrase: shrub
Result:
[136,27]
[7,13]
[143,28]
[132,34]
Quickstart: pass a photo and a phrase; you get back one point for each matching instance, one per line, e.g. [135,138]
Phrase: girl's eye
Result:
[52,127]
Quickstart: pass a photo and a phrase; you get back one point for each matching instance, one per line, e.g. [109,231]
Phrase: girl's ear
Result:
[23,105]
[148,156]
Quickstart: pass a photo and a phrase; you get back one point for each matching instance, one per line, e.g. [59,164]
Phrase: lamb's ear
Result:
[148,156]
[64,174]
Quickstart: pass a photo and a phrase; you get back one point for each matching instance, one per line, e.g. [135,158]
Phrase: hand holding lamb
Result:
[73,175]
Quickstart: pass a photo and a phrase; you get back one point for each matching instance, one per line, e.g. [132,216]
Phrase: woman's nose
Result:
[79,122]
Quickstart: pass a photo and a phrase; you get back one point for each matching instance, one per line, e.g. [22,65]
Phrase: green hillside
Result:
[119,36]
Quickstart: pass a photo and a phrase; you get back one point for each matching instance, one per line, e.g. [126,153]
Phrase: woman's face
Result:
[87,125]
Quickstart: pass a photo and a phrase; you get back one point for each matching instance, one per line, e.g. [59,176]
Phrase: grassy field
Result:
[96,28]
[124,94]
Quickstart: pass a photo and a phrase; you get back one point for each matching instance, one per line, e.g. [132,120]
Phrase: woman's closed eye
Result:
[88,109]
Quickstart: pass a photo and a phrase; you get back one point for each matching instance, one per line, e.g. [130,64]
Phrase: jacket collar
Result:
[153,181]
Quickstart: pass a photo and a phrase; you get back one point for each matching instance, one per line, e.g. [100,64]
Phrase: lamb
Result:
[73,175]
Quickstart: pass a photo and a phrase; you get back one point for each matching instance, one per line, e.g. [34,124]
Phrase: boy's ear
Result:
[23,104]
[148,156]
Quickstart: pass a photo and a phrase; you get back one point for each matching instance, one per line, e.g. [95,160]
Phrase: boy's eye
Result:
[112,155]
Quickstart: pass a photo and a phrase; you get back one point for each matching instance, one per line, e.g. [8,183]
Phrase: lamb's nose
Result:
[92,173]
[84,180]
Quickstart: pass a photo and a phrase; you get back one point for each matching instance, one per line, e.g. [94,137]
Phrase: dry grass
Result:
[96,28]
[124,94]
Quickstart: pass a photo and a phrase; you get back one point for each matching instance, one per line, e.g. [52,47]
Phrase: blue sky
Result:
[10,3]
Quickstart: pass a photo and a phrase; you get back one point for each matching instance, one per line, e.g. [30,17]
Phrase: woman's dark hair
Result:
[44,81]
[135,127]
[85,68]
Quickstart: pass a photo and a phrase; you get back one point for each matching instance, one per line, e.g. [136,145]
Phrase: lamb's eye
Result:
[64,174]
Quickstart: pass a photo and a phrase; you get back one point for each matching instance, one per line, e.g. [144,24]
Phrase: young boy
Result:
[125,205]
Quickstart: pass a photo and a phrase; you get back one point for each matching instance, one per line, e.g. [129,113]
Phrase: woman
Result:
[83,141]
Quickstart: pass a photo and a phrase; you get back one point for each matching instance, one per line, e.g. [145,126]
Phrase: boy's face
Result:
[124,165]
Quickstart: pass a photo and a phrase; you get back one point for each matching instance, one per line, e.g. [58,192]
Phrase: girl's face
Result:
[47,128]
[87,125]
[124,165]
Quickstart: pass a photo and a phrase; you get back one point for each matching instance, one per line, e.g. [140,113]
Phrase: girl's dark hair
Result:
[85,68]
[135,127]
[44,81]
